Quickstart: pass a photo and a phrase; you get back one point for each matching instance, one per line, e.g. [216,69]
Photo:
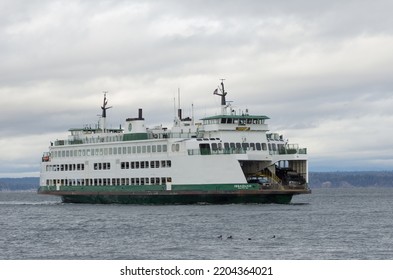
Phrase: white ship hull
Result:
[226,159]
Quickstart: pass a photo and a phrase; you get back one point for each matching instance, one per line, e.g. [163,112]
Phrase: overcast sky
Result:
[321,70]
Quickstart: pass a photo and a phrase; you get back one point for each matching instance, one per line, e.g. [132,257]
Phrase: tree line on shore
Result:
[351,179]
[316,180]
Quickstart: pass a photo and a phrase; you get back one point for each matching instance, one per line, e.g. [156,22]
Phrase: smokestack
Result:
[179,113]
[140,114]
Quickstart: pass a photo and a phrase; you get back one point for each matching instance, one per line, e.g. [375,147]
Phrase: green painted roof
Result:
[96,129]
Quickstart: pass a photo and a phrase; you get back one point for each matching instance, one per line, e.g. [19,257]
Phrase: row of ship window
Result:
[110,181]
[247,146]
[146,164]
[162,149]
[115,151]
[66,167]
[240,121]
[107,165]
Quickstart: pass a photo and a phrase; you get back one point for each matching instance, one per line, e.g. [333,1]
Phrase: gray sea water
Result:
[351,223]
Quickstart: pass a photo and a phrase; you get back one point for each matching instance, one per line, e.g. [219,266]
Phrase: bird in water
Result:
[229,237]
[220,236]
[273,236]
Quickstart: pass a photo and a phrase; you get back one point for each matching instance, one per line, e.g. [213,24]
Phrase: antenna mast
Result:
[222,94]
[104,108]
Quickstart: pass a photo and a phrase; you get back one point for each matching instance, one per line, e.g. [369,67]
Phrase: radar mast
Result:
[222,93]
[104,108]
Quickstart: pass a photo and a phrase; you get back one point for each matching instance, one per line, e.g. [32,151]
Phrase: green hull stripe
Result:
[156,188]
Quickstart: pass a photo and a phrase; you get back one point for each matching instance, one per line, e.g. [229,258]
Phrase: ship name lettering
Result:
[243,187]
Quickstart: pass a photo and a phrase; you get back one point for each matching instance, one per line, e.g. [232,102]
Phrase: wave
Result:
[30,203]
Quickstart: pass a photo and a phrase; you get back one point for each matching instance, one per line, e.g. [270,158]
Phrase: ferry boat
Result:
[231,157]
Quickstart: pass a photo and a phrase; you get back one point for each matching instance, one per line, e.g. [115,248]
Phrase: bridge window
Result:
[175,147]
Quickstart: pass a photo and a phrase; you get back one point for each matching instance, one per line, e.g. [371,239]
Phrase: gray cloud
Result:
[319,69]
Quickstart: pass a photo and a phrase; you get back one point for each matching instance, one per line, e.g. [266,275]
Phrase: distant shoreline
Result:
[336,179]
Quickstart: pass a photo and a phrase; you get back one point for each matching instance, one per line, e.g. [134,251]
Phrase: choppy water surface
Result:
[354,223]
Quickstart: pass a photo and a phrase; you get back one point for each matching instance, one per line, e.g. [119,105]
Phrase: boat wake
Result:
[30,203]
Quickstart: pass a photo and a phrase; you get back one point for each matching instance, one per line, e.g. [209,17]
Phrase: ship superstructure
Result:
[225,158]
